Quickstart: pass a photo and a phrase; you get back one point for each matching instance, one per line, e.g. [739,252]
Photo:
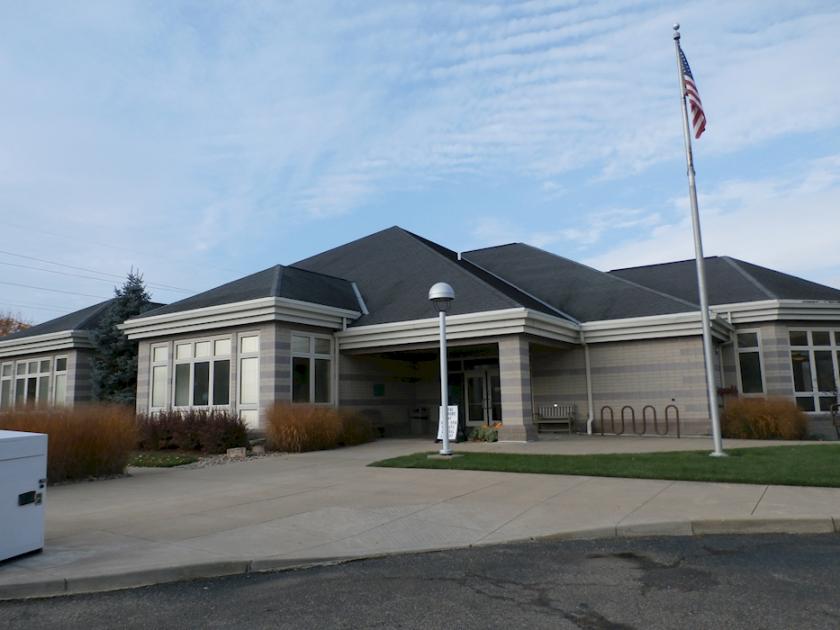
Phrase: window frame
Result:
[7,404]
[174,362]
[739,351]
[19,371]
[169,381]
[252,409]
[833,348]
[312,356]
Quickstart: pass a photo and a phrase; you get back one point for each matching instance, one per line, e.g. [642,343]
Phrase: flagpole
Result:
[708,353]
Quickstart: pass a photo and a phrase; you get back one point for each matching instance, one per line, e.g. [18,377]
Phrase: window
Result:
[31,385]
[815,362]
[60,393]
[749,362]
[311,368]
[160,376]
[25,383]
[202,374]
[6,372]
[249,379]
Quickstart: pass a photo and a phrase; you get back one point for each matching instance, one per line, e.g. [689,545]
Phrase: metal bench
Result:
[555,416]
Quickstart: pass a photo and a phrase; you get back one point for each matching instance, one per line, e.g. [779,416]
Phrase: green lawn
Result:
[161,459]
[803,465]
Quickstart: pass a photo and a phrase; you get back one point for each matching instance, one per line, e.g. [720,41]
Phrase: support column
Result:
[517,408]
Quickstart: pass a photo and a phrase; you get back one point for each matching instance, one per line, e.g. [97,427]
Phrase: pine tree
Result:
[115,355]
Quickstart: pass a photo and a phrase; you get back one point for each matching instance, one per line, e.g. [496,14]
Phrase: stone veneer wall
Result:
[656,372]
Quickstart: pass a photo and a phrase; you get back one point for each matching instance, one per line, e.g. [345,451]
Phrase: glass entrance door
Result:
[484,396]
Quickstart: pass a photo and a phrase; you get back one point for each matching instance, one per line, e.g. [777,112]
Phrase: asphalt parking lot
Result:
[770,581]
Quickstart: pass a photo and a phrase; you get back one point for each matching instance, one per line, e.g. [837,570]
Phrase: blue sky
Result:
[201,141]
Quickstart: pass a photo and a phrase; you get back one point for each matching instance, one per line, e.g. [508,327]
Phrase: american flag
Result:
[698,118]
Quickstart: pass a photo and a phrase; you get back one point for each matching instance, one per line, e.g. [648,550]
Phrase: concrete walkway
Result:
[167,524]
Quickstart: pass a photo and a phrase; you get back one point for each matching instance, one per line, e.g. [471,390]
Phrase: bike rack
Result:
[672,413]
[632,419]
[667,417]
[655,420]
[612,421]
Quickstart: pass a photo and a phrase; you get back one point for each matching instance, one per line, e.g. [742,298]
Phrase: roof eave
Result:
[48,342]
[236,314]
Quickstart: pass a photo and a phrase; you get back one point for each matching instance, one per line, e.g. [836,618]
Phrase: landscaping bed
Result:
[161,459]
[795,465]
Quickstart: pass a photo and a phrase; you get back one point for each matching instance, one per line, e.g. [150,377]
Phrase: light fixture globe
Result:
[441,295]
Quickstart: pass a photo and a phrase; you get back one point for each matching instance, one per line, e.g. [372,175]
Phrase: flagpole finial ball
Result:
[676,26]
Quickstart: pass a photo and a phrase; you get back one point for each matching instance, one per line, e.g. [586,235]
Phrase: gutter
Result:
[590,420]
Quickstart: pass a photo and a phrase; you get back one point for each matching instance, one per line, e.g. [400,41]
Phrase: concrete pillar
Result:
[515,372]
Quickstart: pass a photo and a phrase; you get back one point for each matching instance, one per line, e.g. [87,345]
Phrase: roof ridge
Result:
[619,278]
[341,245]
[96,310]
[662,264]
[454,262]
[278,275]
[559,311]
[484,249]
[317,273]
[734,264]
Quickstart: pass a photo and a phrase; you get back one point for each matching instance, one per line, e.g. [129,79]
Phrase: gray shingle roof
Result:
[87,319]
[729,281]
[83,319]
[586,294]
[278,281]
[395,268]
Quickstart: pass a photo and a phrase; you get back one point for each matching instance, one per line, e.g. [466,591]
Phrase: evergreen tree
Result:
[115,356]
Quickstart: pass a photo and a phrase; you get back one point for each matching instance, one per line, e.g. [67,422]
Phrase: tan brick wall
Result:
[398,383]
[656,372]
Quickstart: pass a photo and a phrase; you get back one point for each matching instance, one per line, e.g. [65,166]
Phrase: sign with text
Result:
[453,423]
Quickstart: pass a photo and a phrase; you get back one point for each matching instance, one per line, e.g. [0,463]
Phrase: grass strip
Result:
[161,459]
[795,465]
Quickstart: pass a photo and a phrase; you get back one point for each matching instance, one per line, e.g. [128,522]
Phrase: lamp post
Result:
[442,295]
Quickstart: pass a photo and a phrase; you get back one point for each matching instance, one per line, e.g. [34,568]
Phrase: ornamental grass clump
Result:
[297,428]
[84,441]
[764,419]
[211,432]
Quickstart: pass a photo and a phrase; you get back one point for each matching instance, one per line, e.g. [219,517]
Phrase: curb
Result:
[55,587]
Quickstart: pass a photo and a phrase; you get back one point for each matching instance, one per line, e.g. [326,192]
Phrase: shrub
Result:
[84,441]
[484,434]
[356,428]
[298,428]
[764,419]
[212,431]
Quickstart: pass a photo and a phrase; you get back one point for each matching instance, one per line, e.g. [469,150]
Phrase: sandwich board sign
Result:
[453,423]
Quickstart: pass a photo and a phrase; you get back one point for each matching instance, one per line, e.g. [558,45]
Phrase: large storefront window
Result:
[311,368]
[28,382]
[749,362]
[202,373]
[815,361]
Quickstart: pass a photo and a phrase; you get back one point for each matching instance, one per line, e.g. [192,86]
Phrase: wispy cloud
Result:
[742,218]
[195,139]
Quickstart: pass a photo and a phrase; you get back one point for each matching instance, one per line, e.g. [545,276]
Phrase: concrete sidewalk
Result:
[167,524]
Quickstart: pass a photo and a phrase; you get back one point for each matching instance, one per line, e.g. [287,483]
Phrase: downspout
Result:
[337,360]
[590,419]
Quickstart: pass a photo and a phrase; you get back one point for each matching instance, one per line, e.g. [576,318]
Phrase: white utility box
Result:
[23,487]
